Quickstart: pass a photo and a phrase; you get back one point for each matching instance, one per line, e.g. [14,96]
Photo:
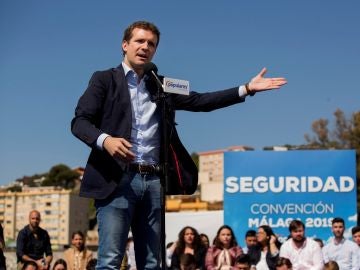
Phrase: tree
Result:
[345,135]
[195,158]
[61,175]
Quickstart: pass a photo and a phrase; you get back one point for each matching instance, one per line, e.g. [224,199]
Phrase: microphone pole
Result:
[151,69]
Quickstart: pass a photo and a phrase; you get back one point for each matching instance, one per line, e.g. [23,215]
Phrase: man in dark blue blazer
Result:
[119,117]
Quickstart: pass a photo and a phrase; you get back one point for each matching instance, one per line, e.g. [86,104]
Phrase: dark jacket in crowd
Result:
[254,253]
[33,246]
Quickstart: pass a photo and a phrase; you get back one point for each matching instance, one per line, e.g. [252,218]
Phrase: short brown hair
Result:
[142,25]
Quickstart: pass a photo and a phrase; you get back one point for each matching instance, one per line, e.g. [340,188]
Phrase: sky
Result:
[49,50]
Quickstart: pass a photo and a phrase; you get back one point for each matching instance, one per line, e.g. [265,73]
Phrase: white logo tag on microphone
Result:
[176,86]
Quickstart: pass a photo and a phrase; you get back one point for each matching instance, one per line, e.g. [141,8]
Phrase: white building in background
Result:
[62,212]
[211,173]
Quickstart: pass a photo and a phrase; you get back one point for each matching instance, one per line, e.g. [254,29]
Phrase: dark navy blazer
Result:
[105,107]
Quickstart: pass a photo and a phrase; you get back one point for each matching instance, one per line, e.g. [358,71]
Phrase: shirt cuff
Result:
[100,140]
[242,91]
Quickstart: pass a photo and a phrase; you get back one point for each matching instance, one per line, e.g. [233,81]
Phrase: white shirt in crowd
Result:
[307,257]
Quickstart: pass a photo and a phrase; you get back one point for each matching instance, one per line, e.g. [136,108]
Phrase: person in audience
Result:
[283,264]
[188,262]
[2,247]
[303,252]
[91,264]
[33,244]
[222,255]
[205,240]
[242,262]
[77,256]
[250,240]
[29,265]
[189,242]
[60,264]
[130,253]
[331,265]
[355,231]
[320,242]
[265,252]
[170,248]
[345,252]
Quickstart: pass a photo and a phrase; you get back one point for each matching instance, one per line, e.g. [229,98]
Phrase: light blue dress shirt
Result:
[145,134]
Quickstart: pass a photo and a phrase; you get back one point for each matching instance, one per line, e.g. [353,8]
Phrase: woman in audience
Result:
[77,256]
[189,242]
[222,255]
[60,264]
[205,240]
[266,252]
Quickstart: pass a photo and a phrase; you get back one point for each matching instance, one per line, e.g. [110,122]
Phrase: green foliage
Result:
[195,158]
[62,176]
[344,135]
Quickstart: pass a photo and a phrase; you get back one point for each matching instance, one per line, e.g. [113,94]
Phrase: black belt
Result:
[145,169]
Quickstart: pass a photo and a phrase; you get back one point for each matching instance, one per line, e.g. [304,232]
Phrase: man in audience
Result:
[303,252]
[355,231]
[33,244]
[250,240]
[341,250]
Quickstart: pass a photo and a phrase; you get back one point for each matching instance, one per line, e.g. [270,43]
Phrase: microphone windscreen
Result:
[148,67]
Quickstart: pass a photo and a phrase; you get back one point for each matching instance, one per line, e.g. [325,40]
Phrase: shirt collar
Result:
[126,68]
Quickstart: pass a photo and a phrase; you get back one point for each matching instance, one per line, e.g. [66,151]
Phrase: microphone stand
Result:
[161,98]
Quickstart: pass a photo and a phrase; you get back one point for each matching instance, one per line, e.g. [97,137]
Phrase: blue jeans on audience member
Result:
[136,204]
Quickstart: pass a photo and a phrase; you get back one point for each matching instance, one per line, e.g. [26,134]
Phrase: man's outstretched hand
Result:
[259,83]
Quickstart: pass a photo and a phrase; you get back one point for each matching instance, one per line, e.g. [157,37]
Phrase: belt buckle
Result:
[144,169]
[140,166]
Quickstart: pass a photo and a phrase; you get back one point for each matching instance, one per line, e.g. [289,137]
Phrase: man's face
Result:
[34,219]
[356,238]
[140,49]
[250,241]
[298,235]
[338,229]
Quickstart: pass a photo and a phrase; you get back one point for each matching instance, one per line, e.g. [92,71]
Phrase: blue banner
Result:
[275,187]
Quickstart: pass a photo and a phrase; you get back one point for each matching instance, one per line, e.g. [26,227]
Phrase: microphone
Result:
[170,85]
[151,69]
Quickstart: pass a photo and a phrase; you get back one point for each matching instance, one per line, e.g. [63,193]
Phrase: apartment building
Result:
[62,212]
[211,173]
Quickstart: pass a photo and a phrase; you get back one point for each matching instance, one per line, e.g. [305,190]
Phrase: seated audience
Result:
[33,244]
[250,240]
[344,251]
[222,255]
[265,253]
[60,264]
[283,264]
[242,262]
[320,242]
[331,265]
[187,262]
[302,251]
[2,247]
[355,231]
[205,240]
[189,242]
[30,265]
[77,256]
[91,265]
